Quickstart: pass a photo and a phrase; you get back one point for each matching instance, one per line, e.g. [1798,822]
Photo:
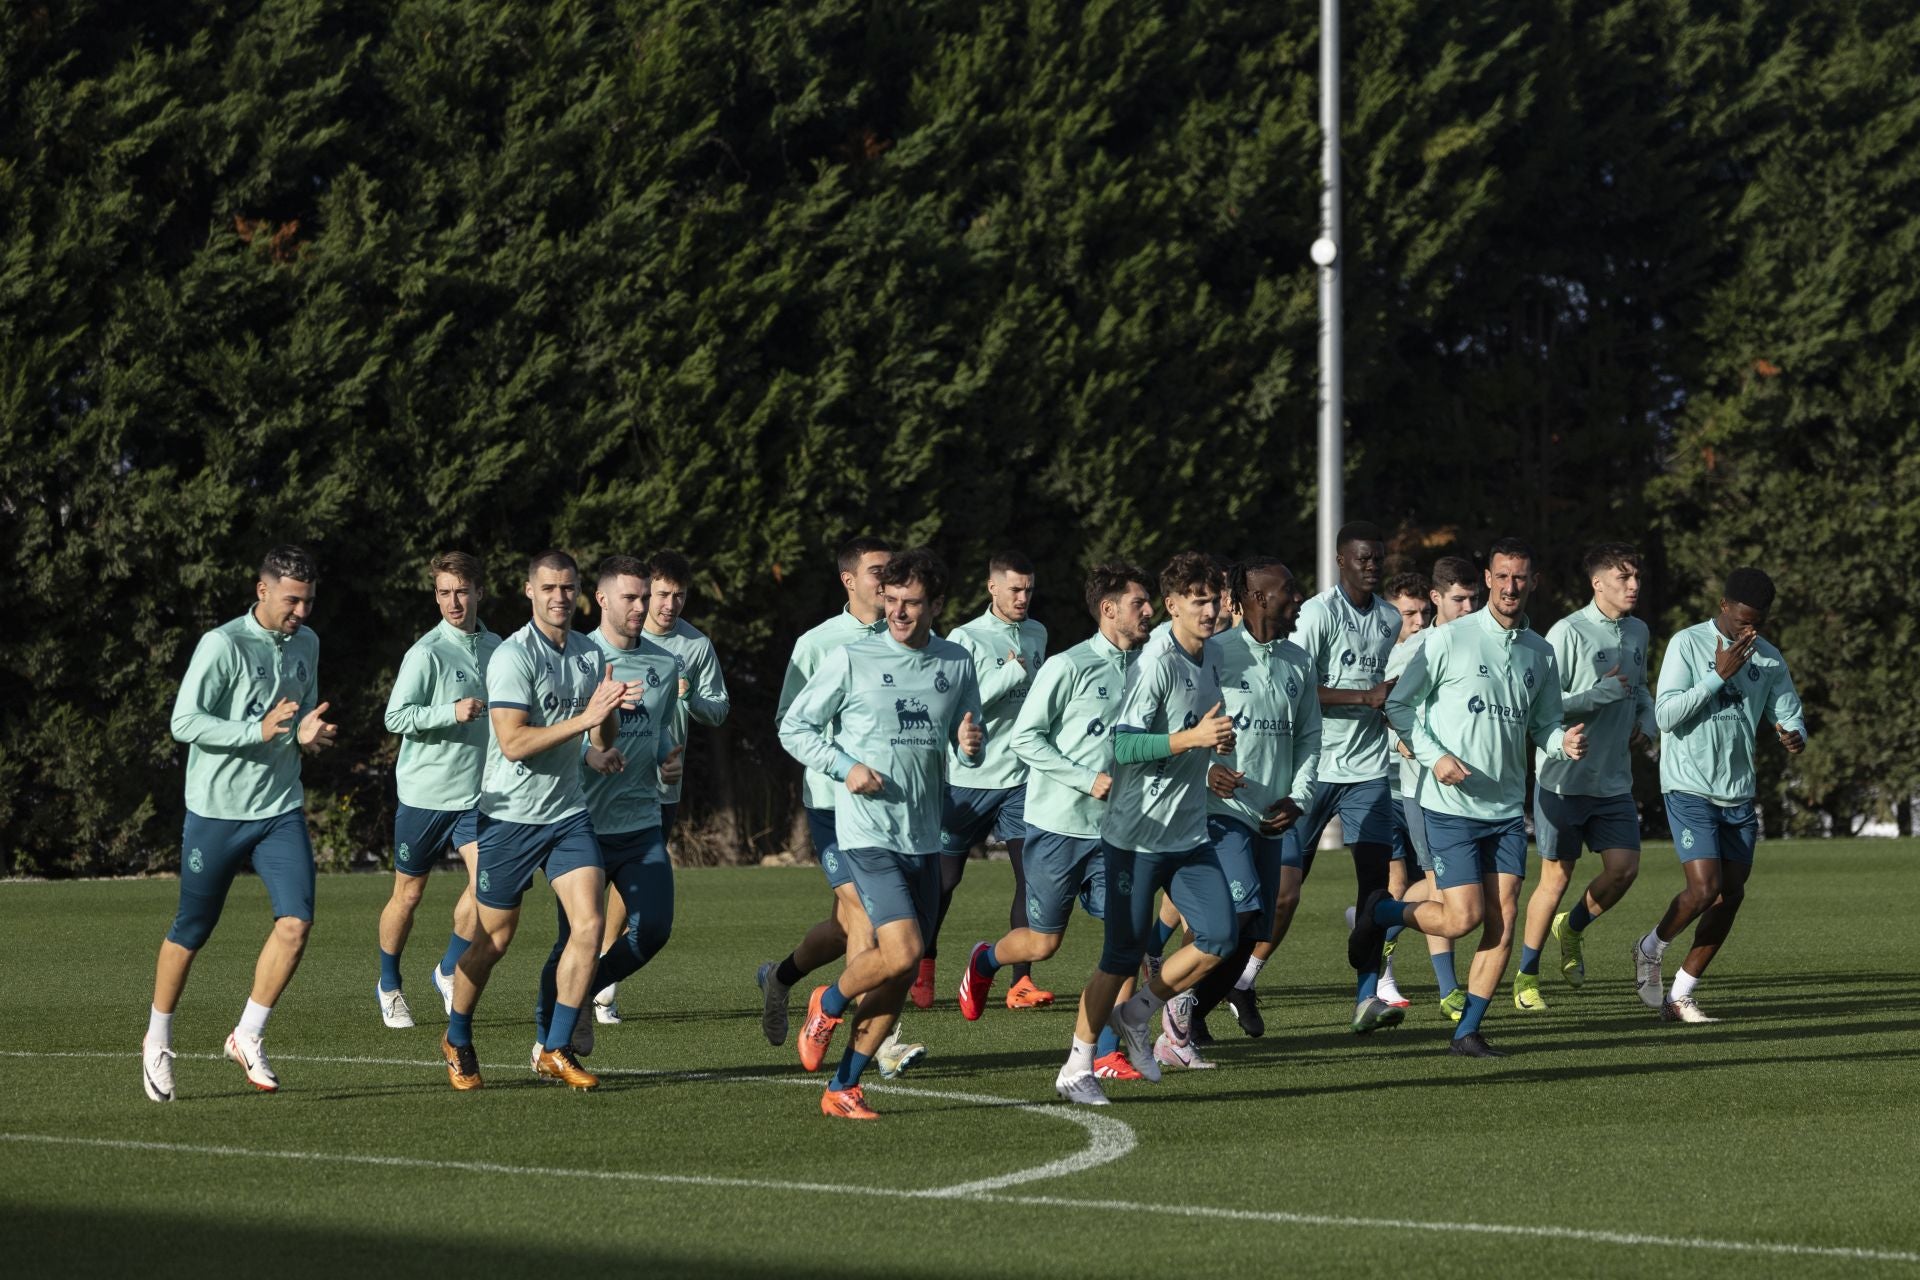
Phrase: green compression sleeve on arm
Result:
[1141,748]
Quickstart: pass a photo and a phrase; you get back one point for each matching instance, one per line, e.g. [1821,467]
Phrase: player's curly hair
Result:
[1751,587]
[1105,581]
[1189,570]
[289,561]
[918,565]
[1407,584]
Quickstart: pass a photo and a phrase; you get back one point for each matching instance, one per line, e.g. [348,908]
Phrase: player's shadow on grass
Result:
[48,1240]
[1510,1071]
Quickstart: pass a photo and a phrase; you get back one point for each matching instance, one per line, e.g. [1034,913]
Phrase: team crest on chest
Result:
[584,663]
[653,678]
[940,683]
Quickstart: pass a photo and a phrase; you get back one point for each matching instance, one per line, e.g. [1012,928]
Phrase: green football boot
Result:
[1526,993]
[1454,1004]
[1573,962]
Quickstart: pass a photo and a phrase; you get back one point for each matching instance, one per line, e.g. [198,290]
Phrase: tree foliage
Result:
[742,279]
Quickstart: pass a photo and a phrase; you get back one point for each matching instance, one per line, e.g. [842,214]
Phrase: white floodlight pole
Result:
[1326,254]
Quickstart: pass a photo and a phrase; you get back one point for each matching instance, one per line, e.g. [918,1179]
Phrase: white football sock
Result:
[1651,947]
[1144,1005]
[253,1021]
[1080,1057]
[159,1028]
[1683,985]
[1251,973]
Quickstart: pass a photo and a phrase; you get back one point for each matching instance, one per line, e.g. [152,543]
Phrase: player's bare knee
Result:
[409,890]
[1047,944]
[291,931]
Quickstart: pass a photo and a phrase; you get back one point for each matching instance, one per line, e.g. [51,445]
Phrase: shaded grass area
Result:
[1790,1123]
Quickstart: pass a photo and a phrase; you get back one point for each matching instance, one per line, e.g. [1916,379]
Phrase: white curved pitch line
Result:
[1108,1139]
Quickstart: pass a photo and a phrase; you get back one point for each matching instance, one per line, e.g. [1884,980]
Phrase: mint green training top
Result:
[630,800]
[440,759]
[817,790]
[1485,692]
[1708,727]
[706,699]
[1064,735]
[1272,694]
[897,711]
[1349,648]
[1397,662]
[238,672]
[1004,686]
[1588,644]
[552,684]
[1159,805]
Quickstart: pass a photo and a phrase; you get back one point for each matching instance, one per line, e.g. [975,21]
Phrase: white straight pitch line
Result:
[1275,1217]
[1106,1145]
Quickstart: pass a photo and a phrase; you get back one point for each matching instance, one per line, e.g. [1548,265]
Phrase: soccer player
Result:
[1061,734]
[1410,593]
[246,710]
[547,687]
[1349,632]
[1470,700]
[623,788]
[1721,681]
[1270,689]
[1007,647]
[900,700]
[1168,727]
[1602,652]
[861,562]
[702,697]
[438,707]
[1455,592]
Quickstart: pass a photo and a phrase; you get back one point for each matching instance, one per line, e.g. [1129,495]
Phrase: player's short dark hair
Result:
[553,558]
[1512,548]
[1010,561]
[672,566]
[1190,569]
[1751,587]
[853,550]
[620,567]
[1242,570]
[1456,571]
[1105,581]
[1610,555]
[1358,531]
[918,565]
[458,564]
[289,561]
[1407,584]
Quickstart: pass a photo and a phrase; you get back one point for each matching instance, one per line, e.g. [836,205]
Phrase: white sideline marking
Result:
[1108,1139]
[1061,1202]
[1109,1144]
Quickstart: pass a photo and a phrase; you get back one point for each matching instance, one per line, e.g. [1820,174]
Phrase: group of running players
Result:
[1174,780]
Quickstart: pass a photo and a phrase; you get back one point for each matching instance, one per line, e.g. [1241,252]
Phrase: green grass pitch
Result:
[1781,1141]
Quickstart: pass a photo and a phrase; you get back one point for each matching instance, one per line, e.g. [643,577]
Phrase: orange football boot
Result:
[560,1064]
[922,991]
[847,1104]
[463,1067]
[1115,1067]
[1024,995]
[816,1033]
